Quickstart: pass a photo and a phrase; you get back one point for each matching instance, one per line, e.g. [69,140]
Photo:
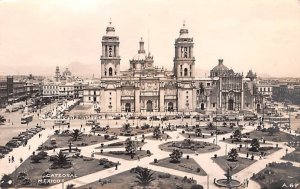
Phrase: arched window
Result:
[110,71]
[185,52]
[110,51]
[185,72]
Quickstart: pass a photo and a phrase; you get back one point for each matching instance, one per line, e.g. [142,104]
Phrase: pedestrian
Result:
[12,159]
[117,166]
[53,127]
[29,147]
[138,158]
[21,160]
[247,182]
[8,159]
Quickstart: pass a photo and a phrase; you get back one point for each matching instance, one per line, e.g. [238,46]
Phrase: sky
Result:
[38,35]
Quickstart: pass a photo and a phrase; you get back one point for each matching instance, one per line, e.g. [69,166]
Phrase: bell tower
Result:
[184,60]
[110,58]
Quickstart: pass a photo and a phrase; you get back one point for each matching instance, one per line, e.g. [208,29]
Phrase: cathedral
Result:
[145,87]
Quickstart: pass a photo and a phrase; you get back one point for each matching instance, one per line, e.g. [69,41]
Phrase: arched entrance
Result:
[170,107]
[202,106]
[230,104]
[127,107]
[149,107]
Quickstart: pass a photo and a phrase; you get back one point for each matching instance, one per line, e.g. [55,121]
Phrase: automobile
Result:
[5,149]
[196,117]
[164,118]
[142,117]
[131,117]
[154,118]
[186,116]
[13,144]
[117,117]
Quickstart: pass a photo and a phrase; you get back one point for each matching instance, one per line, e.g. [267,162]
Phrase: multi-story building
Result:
[3,93]
[148,88]
[287,93]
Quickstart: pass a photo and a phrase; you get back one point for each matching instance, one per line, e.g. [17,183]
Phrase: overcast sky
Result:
[263,35]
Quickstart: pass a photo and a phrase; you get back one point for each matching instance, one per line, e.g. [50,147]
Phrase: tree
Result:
[75,134]
[176,155]
[210,126]
[130,146]
[254,145]
[144,176]
[2,119]
[6,181]
[60,159]
[36,158]
[233,154]
[156,132]
[198,132]
[273,130]
[237,135]
[126,127]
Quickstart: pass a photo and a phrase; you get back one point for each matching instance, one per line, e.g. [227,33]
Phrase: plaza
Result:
[210,163]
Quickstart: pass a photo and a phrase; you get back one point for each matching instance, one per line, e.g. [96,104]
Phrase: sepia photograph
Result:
[150,94]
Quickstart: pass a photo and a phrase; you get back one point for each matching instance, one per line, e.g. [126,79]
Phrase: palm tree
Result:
[130,146]
[75,134]
[156,132]
[144,176]
[176,156]
[233,154]
[61,159]
[126,127]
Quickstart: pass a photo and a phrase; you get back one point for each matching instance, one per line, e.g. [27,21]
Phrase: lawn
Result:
[80,167]
[267,150]
[164,137]
[189,146]
[185,165]
[127,180]
[276,137]
[278,175]
[63,140]
[121,144]
[132,132]
[294,156]
[239,165]
[123,155]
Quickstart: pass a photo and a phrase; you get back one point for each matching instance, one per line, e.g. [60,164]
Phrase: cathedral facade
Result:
[145,87]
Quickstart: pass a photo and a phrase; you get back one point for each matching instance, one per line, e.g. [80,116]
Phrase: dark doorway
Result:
[230,104]
[170,107]
[128,107]
[149,106]
[202,106]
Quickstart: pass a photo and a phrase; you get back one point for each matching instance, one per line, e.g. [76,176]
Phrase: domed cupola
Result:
[218,70]
[110,30]
[184,32]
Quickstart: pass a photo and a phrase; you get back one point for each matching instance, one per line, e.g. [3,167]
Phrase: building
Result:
[145,87]
[287,93]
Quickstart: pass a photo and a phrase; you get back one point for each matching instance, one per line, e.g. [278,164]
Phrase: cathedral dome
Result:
[220,67]
[67,72]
